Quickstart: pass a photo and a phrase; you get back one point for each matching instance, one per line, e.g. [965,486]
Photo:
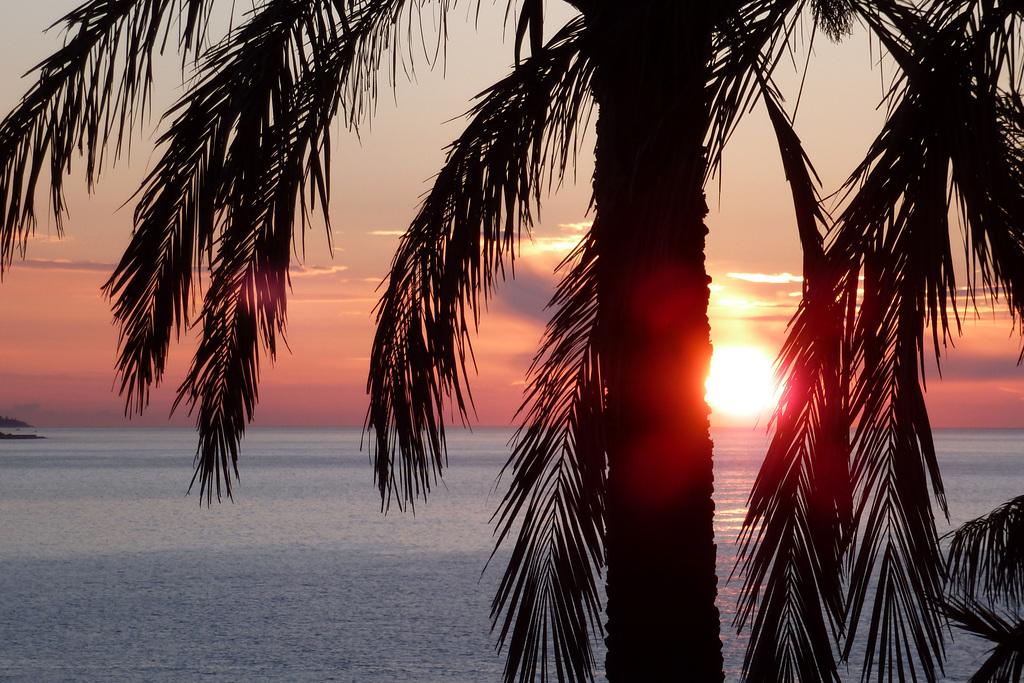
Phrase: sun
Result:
[740,382]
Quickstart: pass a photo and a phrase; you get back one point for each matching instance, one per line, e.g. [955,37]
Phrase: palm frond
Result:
[986,555]
[89,93]
[549,592]
[943,127]
[794,537]
[991,203]
[245,305]
[751,41]
[531,21]
[981,122]
[248,108]
[835,17]
[521,136]
[947,135]
[1006,659]
[244,310]
[385,37]
[250,142]
[247,154]
[894,461]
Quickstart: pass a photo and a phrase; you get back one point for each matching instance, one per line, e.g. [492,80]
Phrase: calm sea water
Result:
[108,572]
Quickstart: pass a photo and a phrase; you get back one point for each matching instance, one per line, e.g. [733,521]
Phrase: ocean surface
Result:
[109,572]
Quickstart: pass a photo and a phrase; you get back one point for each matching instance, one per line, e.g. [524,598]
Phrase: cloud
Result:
[558,245]
[576,227]
[781,278]
[313,299]
[24,409]
[89,414]
[968,366]
[527,295]
[66,265]
[746,303]
[387,233]
[301,271]
[39,237]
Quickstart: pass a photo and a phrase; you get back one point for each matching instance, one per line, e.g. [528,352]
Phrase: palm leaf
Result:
[249,149]
[549,592]
[749,42]
[456,250]
[943,126]
[986,559]
[89,93]
[751,39]
[986,555]
[249,142]
[1006,659]
[947,135]
[794,537]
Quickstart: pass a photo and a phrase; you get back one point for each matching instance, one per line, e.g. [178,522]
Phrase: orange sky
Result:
[57,343]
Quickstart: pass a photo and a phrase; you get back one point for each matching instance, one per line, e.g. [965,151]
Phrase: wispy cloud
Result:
[781,278]
[366,303]
[561,245]
[50,237]
[527,297]
[65,265]
[576,227]
[300,271]
[387,233]
[745,303]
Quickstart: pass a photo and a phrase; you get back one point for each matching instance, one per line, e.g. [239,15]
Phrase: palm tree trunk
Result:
[655,339]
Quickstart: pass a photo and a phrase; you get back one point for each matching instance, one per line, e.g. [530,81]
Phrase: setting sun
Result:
[740,382]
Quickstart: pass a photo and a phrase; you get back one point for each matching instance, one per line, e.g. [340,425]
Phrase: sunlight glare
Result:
[740,382]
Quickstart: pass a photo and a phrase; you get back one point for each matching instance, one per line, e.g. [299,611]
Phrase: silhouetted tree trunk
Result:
[655,339]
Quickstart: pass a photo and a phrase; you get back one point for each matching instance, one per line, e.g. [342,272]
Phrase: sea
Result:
[110,572]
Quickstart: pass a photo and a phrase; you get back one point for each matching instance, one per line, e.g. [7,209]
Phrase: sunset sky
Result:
[58,345]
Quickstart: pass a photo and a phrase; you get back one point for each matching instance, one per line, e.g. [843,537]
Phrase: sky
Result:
[58,344]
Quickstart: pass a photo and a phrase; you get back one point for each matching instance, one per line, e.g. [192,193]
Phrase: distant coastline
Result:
[10,422]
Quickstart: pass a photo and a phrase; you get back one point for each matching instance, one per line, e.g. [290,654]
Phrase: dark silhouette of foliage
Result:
[610,476]
[986,584]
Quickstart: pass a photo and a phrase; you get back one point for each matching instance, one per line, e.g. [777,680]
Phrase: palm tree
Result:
[840,532]
[985,589]
[612,469]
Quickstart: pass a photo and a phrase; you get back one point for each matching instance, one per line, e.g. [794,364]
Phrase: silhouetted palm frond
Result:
[1005,661]
[749,44]
[946,136]
[986,584]
[249,148]
[986,555]
[800,511]
[248,144]
[247,155]
[549,592]
[520,137]
[385,37]
[89,93]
